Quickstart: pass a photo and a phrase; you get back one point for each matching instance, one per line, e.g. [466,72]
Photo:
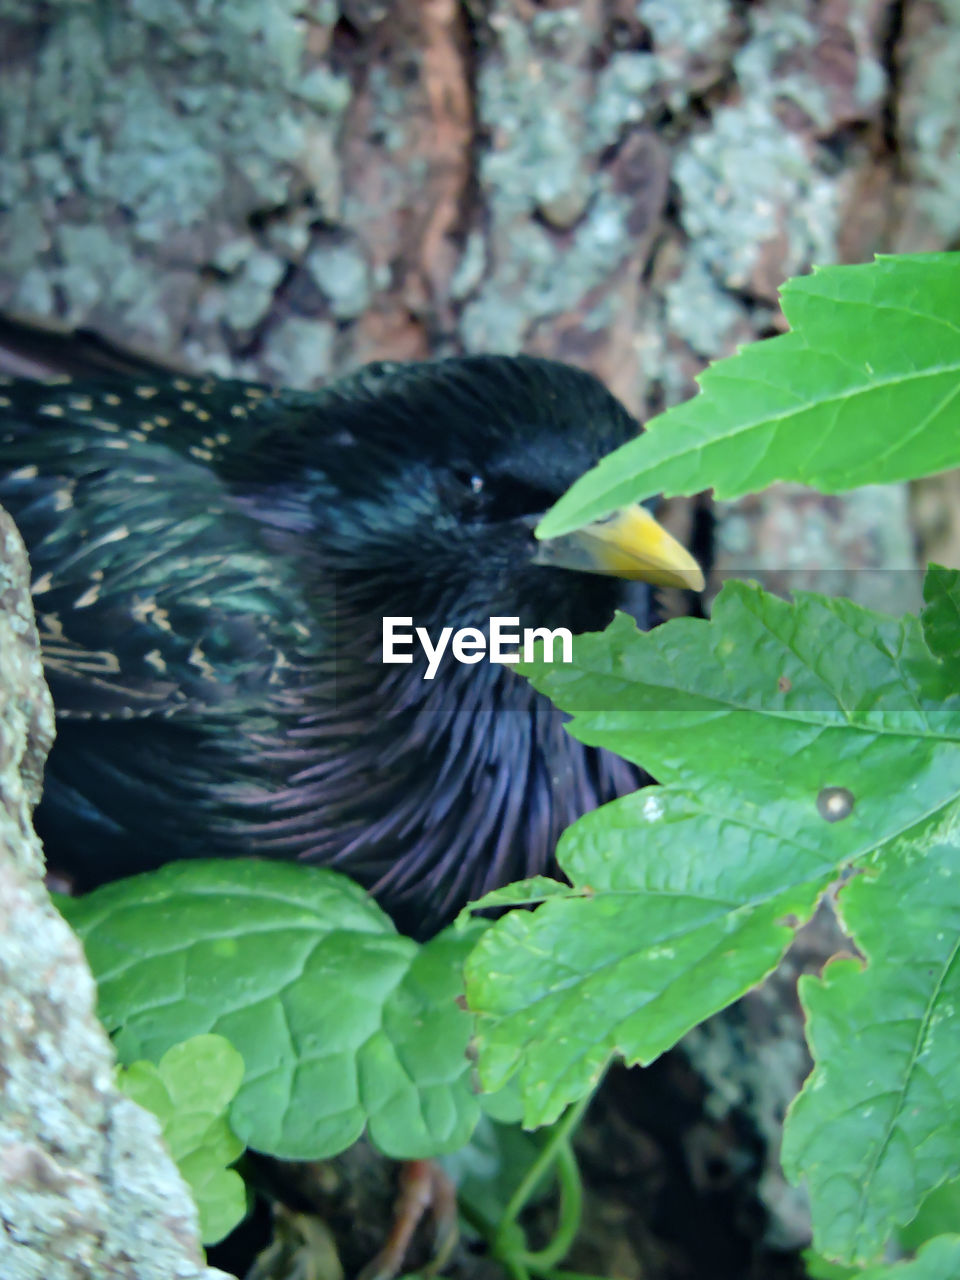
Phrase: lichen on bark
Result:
[86,1185]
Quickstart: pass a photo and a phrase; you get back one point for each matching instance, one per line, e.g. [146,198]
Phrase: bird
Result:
[213,561]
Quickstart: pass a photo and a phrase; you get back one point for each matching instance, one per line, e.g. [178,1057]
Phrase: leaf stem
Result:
[557,1152]
[514,1269]
[571,1208]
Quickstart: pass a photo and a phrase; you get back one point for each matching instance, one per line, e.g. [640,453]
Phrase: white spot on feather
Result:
[196,659]
[51,624]
[155,658]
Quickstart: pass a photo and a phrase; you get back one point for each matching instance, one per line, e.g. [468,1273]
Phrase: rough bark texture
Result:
[286,188]
[86,1186]
[293,186]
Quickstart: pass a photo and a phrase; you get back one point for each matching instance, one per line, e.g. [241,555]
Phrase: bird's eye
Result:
[509,499]
[468,480]
[501,497]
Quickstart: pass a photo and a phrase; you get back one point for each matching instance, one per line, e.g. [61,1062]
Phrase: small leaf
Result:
[185,1132]
[938,1215]
[506,1105]
[220,1195]
[142,1082]
[342,1023]
[189,1092]
[877,1123]
[204,1073]
[521,893]
[941,616]
[819,1268]
[937,1260]
[865,389]
[940,1260]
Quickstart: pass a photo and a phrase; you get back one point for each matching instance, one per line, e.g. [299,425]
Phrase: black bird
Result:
[212,562]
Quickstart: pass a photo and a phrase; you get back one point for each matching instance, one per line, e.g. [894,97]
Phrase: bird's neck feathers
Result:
[427,791]
[437,791]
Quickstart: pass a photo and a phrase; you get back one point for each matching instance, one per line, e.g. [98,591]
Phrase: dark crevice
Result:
[250,346]
[261,220]
[890,42]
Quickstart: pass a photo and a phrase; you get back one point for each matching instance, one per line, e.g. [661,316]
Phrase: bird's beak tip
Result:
[630,543]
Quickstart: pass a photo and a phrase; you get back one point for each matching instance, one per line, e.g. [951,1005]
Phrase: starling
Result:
[213,561]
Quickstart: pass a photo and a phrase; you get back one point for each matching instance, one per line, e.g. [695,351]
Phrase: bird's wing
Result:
[143,543]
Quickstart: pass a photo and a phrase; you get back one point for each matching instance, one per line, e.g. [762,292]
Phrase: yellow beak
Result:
[627,544]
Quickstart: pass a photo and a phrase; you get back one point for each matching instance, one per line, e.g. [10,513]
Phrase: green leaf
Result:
[819,1268]
[522,893]
[938,1260]
[938,1215]
[220,1194]
[341,1022]
[754,723]
[941,616]
[505,1106]
[877,1124]
[865,389]
[189,1092]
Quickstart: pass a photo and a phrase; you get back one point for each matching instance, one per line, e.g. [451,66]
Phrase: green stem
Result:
[514,1269]
[571,1208]
[556,1150]
[574,1275]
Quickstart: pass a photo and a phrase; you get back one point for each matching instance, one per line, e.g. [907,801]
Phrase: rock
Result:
[87,1188]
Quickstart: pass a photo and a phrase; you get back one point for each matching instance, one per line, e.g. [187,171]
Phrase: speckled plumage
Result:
[211,564]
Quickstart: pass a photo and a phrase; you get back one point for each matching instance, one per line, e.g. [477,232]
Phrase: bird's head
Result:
[436,475]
